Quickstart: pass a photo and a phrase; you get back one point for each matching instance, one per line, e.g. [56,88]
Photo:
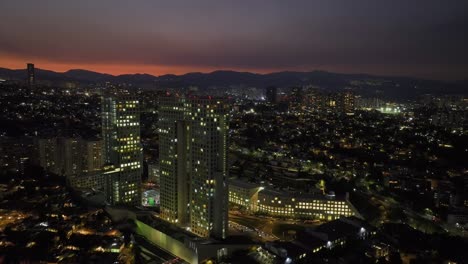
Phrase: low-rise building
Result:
[328,236]
[244,194]
[68,156]
[88,181]
[262,200]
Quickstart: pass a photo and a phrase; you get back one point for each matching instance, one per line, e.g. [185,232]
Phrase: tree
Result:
[320,185]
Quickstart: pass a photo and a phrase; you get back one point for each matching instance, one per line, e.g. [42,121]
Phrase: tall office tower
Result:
[193,164]
[122,148]
[31,75]
[271,95]
[173,163]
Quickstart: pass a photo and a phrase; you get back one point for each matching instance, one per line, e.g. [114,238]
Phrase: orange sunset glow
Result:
[114,69]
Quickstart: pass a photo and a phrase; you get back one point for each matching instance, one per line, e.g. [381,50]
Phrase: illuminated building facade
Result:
[173,163]
[122,148]
[288,205]
[343,102]
[244,194]
[193,164]
[339,102]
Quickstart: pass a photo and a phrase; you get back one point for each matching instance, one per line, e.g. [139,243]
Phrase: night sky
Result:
[421,38]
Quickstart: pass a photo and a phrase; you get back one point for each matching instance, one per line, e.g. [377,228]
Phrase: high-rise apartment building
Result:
[70,160]
[69,156]
[31,75]
[122,148]
[46,153]
[193,164]
[93,156]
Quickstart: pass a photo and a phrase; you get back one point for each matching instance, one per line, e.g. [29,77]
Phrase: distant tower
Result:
[348,102]
[122,148]
[31,75]
[271,95]
[193,164]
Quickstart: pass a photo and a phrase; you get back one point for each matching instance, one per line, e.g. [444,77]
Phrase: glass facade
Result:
[122,148]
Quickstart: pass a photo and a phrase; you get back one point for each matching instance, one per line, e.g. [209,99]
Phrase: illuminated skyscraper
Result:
[122,148]
[31,75]
[173,163]
[193,164]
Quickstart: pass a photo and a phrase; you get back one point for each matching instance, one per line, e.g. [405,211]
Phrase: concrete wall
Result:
[166,242]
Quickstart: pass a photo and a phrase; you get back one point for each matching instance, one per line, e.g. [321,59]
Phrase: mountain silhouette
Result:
[363,83]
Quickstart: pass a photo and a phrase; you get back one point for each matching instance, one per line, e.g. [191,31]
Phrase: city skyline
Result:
[227,132]
[389,38]
[232,175]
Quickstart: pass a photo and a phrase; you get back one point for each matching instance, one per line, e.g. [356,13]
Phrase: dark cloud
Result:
[416,37]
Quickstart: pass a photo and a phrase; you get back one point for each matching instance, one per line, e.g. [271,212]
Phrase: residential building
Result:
[193,164]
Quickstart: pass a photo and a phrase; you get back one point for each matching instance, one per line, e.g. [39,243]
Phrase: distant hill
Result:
[87,76]
[401,87]
[77,75]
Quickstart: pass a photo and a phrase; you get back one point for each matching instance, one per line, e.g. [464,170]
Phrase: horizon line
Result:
[243,71]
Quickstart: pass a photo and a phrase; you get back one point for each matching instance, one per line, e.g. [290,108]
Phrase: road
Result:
[8,217]
[257,228]
[266,228]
